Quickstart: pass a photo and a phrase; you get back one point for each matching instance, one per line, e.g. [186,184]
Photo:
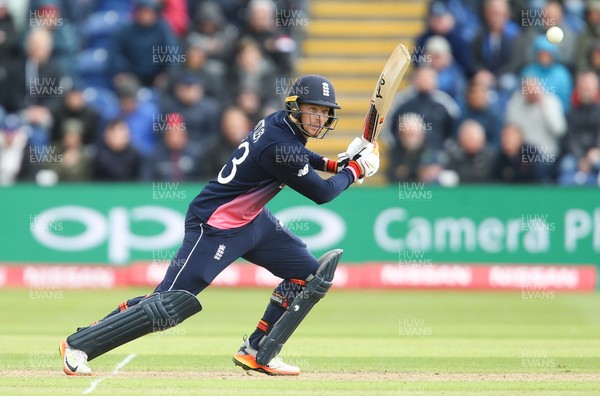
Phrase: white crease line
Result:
[118,367]
[123,363]
[92,386]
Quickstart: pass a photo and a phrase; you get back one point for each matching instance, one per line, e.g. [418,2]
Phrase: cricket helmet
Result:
[317,90]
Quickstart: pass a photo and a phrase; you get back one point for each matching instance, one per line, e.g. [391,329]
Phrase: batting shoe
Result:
[74,360]
[246,359]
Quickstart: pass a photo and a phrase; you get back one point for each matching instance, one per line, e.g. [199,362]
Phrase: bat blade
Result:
[384,92]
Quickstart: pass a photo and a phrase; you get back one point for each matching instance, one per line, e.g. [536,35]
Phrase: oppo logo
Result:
[299,218]
[114,228]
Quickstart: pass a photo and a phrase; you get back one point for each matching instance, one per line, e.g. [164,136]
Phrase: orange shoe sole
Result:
[247,362]
[61,349]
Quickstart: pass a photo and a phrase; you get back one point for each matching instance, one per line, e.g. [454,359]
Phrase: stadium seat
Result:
[100,26]
[92,65]
[151,95]
[103,100]
[124,6]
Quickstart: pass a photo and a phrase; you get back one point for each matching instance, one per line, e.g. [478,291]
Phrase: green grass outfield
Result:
[353,343]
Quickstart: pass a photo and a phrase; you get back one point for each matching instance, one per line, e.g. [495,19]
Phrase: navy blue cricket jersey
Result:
[272,156]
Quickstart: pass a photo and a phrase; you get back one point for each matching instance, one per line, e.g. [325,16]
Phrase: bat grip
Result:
[357,155]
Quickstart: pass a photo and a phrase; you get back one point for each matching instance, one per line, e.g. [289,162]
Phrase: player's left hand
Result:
[356,148]
[366,164]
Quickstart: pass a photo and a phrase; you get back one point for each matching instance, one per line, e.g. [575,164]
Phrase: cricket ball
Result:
[554,34]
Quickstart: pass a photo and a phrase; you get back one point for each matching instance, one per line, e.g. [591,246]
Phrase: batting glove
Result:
[366,165]
[357,147]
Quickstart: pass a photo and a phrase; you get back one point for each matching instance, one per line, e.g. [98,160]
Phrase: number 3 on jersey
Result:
[234,163]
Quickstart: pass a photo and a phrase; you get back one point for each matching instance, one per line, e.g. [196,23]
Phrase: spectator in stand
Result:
[8,34]
[74,163]
[585,172]
[145,47]
[441,22]
[583,132]
[450,78]
[8,51]
[407,154]
[48,16]
[140,115]
[261,27]
[470,157]
[511,165]
[252,70]
[547,69]
[590,35]
[232,12]
[466,13]
[20,13]
[14,151]
[574,15]
[292,18]
[494,46]
[496,97]
[74,11]
[583,120]
[212,30]
[235,125]
[73,106]
[210,71]
[539,115]
[35,79]
[554,16]
[477,107]
[550,15]
[116,159]
[431,169]
[594,58]
[532,26]
[175,14]
[34,86]
[175,158]
[439,111]
[248,100]
[198,110]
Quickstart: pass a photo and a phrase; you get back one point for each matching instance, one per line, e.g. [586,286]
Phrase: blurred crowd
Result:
[163,90]
[493,101]
[125,90]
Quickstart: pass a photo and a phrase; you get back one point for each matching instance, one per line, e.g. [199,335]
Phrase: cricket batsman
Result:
[228,220]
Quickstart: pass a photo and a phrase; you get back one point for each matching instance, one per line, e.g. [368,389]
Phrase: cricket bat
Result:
[384,92]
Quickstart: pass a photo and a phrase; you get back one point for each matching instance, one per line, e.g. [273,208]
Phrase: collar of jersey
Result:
[295,130]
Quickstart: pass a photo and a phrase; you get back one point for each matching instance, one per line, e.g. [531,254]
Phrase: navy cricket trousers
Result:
[206,251]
